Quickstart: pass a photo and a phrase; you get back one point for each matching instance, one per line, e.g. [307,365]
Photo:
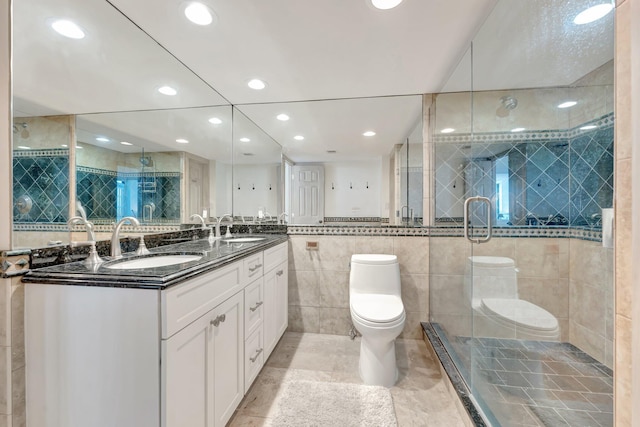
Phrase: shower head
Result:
[21,128]
[509,102]
[146,161]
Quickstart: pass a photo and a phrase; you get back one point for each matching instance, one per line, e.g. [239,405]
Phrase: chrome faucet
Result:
[204,225]
[228,228]
[91,235]
[116,251]
[282,216]
[93,259]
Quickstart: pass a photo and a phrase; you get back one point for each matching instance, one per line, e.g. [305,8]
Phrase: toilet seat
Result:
[521,313]
[377,308]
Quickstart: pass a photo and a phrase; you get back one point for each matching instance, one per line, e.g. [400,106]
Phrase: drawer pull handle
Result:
[279,273]
[255,267]
[219,319]
[254,358]
[258,304]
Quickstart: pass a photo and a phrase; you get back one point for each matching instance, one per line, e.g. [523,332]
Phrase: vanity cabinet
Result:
[181,356]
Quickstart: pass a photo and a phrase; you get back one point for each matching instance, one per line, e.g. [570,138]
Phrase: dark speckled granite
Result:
[214,255]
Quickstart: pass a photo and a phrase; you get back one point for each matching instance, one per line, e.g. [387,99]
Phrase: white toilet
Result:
[378,314]
[498,312]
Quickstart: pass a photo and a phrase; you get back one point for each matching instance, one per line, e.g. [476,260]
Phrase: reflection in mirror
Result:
[257,172]
[114,67]
[175,163]
[358,183]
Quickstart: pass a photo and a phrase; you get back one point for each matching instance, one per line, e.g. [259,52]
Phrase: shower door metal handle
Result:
[467,203]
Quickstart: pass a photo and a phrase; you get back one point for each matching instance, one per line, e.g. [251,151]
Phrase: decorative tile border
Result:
[348,230]
[355,219]
[14,263]
[52,152]
[541,135]
[96,171]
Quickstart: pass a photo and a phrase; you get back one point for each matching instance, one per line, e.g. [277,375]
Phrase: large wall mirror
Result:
[77,101]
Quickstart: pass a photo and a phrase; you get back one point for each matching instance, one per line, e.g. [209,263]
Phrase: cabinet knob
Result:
[258,304]
[254,358]
[279,273]
[219,319]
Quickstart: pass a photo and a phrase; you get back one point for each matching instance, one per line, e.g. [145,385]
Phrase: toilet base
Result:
[378,363]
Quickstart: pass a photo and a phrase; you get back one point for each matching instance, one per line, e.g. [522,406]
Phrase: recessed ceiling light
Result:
[298,137]
[593,13]
[447,130]
[199,14]
[256,84]
[567,104]
[102,139]
[182,141]
[588,127]
[167,90]
[369,133]
[24,147]
[517,129]
[68,29]
[215,121]
[331,151]
[125,143]
[385,4]
[244,140]
[282,117]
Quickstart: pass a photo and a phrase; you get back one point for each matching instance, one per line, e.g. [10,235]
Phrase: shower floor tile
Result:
[537,383]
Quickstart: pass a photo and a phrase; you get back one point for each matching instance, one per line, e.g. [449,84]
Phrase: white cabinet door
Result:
[187,359]
[228,358]
[281,299]
[203,368]
[276,306]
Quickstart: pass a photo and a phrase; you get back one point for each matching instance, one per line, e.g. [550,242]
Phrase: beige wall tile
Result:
[335,321]
[449,255]
[412,327]
[304,288]
[502,247]
[5,380]
[587,341]
[623,81]
[624,261]
[415,292]
[5,312]
[334,289]
[623,372]
[17,324]
[587,307]
[334,253]
[550,294]
[538,257]
[304,319]
[413,254]
[448,297]
[18,396]
[373,245]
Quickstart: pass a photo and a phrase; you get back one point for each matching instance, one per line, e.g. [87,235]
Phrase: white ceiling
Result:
[305,50]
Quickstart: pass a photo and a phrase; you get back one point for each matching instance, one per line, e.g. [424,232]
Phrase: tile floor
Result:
[538,383]
[420,397]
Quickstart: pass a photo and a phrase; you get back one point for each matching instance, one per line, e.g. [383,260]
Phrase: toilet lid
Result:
[377,308]
[521,312]
[374,259]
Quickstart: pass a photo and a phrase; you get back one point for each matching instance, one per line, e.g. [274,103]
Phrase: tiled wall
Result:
[96,190]
[591,299]
[43,176]
[319,280]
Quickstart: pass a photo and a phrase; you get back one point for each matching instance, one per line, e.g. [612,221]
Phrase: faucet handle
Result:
[93,258]
[142,248]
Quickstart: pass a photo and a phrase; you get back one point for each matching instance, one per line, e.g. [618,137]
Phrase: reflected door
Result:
[307,194]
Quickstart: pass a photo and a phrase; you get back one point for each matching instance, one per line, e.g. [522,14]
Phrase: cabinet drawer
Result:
[253,306]
[274,256]
[253,358]
[252,266]
[186,302]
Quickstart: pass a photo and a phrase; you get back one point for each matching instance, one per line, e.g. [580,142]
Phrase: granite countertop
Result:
[214,255]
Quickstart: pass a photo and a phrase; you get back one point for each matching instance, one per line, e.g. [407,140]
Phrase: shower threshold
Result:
[525,383]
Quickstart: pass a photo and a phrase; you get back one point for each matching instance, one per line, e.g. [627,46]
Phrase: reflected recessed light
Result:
[68,29]
[24,147]
[593,13]
[102,139]
[447,130]
[199,14]
[282,117]
[567,104]
[64,145]
[588,127]
[517,129]
[244,140]
[78,147]
[298,137]
[167,90]
[215,121]
[182,141]
[369,133]
[125,143]
[385,4]
[256,84]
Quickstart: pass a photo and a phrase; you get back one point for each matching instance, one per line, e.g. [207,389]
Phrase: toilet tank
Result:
[375,274]
[490,277]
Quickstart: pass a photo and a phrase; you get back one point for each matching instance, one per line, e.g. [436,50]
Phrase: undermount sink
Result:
[243,239]
[153,261]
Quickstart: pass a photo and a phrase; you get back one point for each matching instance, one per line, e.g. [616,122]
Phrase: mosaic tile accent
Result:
[43,177]
[348,230]
[14,263]
[354,219]
[520,382]
[554,177]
